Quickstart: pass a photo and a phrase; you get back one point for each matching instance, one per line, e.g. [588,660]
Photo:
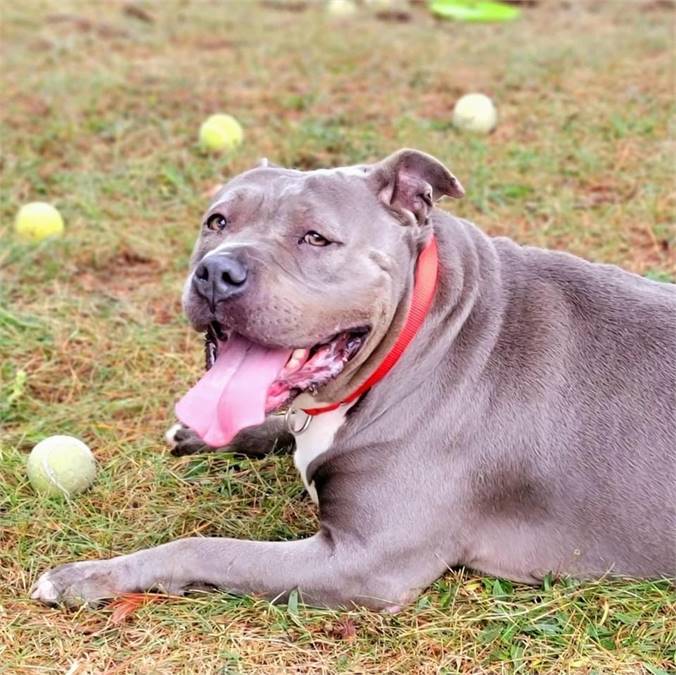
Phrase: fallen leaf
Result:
[124,606]
[345,629]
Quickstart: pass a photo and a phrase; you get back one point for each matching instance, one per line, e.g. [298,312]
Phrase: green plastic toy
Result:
[474,11]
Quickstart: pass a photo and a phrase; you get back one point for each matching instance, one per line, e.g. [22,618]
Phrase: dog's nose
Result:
[219,277]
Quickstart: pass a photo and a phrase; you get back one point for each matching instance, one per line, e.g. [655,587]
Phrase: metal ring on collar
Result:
[291,416]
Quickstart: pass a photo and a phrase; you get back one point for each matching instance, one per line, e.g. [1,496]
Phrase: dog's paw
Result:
[74,584]
[183,441]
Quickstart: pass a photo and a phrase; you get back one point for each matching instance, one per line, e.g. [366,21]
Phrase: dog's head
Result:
[314,263]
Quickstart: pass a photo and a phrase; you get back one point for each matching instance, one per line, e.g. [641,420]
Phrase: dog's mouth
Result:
[306,369]
[309,369]
[245,380]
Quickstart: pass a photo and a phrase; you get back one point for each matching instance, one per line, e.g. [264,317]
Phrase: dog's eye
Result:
[314,239]
[216,222]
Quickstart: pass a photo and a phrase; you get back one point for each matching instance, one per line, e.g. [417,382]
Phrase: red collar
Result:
[423,293]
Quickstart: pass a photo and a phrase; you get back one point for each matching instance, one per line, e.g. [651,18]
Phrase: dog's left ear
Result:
[410,181]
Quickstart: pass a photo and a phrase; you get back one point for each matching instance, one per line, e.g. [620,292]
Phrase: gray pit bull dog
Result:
[528,428]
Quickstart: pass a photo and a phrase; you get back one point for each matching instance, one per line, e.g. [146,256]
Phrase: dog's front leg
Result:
[271,436]
[325,573]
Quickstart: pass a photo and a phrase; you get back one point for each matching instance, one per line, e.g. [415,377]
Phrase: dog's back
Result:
[584,369]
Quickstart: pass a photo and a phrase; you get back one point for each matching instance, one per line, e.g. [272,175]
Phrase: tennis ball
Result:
[61,465]
[476,113]
[220,133]
[341,8]
[37,221]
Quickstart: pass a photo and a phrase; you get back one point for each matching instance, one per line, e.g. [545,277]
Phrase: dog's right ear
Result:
[410,181]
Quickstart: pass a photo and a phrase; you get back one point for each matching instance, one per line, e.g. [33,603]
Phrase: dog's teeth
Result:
[296,360]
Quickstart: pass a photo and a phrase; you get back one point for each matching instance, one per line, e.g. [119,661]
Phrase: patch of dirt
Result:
[120,275]
[660,5]
[85,25]
[165,310]
[393,16]
[600,193]
[285,6]
[345,630]
[214,44]
[137,12]
[648,252]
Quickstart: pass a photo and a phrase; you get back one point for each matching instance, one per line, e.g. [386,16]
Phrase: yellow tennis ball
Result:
[476,113]
[220,133]
[340,9]
[37,221]
[61,465]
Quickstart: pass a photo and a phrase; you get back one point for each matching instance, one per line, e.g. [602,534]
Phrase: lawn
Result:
[101,103]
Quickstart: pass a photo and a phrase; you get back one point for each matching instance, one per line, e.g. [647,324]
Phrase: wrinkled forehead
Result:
[335,189]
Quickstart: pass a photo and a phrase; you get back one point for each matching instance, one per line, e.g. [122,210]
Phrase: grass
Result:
[100,113]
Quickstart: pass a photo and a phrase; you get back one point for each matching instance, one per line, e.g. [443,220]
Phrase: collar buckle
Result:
[297,421]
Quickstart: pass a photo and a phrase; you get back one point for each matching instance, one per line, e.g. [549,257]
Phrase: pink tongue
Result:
[232,393]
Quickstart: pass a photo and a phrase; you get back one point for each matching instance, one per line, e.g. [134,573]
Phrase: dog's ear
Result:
[410,181]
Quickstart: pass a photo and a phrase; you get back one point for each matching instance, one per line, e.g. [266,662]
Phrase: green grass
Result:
[100,117]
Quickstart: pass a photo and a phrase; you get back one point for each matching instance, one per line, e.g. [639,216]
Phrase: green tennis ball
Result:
[37,221]
[61,465]
[340,9]
[475,113]
[220,133]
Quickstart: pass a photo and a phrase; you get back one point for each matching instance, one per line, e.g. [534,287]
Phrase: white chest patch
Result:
[316,439]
